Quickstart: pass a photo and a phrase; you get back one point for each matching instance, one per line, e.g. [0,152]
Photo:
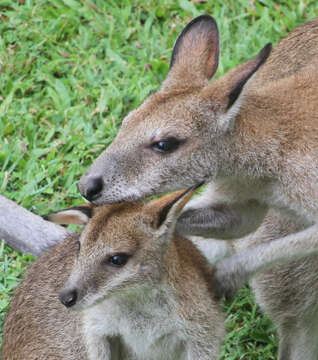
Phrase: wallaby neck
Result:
[252,148]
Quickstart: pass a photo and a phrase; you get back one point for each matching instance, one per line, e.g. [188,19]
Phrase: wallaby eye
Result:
[118,259]
[166,145]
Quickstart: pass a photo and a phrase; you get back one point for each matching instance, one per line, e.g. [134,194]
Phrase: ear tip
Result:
[191,189]
[196,186]
[205,18]
[75,215]
[267,50]
[205,23]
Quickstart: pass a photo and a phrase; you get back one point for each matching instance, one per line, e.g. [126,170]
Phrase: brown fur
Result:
[39,327]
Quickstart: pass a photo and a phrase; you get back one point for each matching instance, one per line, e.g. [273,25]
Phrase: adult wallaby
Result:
[252,135]
[142,292]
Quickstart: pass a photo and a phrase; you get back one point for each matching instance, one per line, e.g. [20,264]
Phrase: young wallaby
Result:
[139,291]
[251,134]
[287,292]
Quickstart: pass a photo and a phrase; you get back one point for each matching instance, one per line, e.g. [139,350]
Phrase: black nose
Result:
[94,187]
[68,298]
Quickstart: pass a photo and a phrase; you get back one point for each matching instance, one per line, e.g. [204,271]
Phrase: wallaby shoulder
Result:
[36,312]
[193,268]
[192,283]
[283,94]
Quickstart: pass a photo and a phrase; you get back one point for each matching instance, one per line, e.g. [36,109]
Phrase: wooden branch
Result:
[27,232]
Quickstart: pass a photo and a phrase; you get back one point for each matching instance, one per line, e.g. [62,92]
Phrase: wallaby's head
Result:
[176,138]
[121,248]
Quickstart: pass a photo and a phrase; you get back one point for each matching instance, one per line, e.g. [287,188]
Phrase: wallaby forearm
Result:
[236,270]
[221,221]
[213,222]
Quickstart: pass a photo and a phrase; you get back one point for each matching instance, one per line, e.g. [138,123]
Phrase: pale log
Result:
[27,232]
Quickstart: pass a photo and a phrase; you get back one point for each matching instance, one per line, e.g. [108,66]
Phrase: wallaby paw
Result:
[221,288]
[226,280]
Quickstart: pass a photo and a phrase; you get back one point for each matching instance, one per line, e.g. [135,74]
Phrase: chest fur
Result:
[148,325]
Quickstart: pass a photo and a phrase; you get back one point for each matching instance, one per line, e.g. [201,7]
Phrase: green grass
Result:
[70,70]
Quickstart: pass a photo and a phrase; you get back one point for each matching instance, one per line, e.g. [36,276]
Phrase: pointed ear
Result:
[195,55]
[231,87]
[246,72]
[166,210]
[78,215]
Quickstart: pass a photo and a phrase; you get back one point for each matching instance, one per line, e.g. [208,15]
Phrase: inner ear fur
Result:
[77,215]
[168,208]
[225,92]
[240,75]
[195,55]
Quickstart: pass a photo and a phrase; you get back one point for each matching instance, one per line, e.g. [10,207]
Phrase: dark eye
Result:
[118,259]
[166,145]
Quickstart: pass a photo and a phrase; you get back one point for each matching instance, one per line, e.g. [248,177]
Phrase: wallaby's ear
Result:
[233,84]
[196,52]
[166,210]
[78,215]
[246,71]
